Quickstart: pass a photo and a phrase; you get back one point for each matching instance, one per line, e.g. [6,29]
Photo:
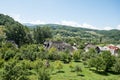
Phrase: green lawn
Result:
[86,74]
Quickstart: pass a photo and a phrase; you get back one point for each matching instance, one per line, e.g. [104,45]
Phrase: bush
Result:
[9,54]
[109,60]
[65,57]
[43,74]
[37,64]
[71,66]
[98,63]
[13,71]
[59,65]
[103,62]
[77,69]
[116,66]
[76,55]
[53,54]
[30,52]
[2,63]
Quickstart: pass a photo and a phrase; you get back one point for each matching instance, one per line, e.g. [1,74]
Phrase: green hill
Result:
[109,36]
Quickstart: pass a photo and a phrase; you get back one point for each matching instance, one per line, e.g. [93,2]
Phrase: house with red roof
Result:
[113,50]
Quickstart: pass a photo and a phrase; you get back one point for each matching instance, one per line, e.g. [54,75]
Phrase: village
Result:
[61,46]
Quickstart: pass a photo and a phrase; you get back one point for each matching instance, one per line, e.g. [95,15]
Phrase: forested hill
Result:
[111,36]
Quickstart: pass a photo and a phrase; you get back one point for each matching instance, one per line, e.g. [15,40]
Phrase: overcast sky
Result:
[95,14]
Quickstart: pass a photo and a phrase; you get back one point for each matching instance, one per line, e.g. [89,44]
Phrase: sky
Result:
[94,14]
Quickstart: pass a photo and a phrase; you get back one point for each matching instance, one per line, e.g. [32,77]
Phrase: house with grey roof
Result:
[59,45]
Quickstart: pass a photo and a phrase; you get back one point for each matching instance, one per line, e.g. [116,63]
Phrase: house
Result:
[118,46]
[89,46]
[113,50]
[105,48]
[59,45]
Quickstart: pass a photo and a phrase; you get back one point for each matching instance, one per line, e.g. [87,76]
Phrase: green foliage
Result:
[37,64]
[65,57]
[103,62]
[43,74]
[41,33]
[58,65]
[9,54]
[77,55]
[77,69]
[17,33]
[13,71]
[71,66]
[98,63]
[1,62]
[90,54]
[53,54]
[116,66]
[108,59]
[30,52]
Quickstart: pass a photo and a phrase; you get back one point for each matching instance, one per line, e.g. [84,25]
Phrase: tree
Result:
[116,66]
[14,71]
[98,63]
[18,33]
[108,59]
[77,55]
[103,61]
[41,33]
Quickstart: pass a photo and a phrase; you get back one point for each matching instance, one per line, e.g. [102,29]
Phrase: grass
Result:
[86,74]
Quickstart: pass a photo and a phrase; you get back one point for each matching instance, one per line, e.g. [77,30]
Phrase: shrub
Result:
[43,74]
[104,61]
[71,66]
[116,66]
[2,63]
[59,65]
[9,54]
[65,57]
[37,64]
[13,71]
[77,69]
[76,55]
[53,54]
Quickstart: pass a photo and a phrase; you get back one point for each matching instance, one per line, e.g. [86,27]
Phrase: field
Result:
[86,74]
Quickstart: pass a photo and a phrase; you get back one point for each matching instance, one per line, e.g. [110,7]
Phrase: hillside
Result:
[110,36]
[107,36]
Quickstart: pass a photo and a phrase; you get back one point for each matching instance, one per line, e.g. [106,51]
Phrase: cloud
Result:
[75,24]
[37,22]
[70,23]
[85,25]
[118,27]
[107,28]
